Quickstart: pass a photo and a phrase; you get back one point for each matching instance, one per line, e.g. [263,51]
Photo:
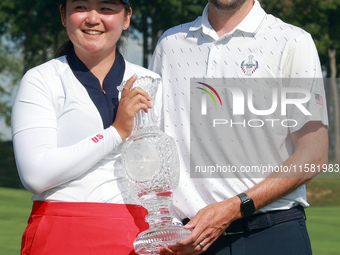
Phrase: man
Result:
[237,39]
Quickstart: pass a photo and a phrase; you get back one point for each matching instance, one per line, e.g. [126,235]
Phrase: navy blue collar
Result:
[106,99]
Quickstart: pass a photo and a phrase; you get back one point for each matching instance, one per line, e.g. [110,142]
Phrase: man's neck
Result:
[224,21]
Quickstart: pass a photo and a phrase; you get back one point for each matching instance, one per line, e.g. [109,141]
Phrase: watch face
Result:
[247,206]
[247,210]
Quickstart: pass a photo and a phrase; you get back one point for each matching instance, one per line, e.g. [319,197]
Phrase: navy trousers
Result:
[289,238]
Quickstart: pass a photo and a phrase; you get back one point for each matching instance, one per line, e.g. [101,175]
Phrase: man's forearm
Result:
[311,150]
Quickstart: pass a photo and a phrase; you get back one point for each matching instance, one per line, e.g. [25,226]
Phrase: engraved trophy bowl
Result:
[151,161]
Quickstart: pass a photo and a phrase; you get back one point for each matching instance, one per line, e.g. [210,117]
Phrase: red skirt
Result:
[56,228]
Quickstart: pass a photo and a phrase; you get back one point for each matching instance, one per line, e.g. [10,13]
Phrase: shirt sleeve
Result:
[302,71]
[43,165]
[33,105]
[301,59]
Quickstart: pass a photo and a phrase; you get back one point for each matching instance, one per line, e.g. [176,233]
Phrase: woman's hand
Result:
[130,103]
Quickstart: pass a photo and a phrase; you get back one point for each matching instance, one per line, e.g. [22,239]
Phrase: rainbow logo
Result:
[204,100]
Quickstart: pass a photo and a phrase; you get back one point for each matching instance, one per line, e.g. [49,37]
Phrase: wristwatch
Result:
[247,204]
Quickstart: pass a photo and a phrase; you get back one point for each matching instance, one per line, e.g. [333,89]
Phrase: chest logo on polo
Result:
[249,66]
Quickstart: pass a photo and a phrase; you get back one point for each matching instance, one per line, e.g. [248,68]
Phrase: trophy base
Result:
[151,241]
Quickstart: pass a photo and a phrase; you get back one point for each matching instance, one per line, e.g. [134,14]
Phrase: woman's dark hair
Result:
[63,3]
[67,47]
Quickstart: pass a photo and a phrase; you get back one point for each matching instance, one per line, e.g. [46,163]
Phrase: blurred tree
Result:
[322,20]
[30,33]
[34,27]
[10,71]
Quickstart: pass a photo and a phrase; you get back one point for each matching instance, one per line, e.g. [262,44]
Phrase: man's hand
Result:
[130,103]
[209,223]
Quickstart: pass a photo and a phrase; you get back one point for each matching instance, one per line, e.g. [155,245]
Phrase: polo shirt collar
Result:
[250,24]
[106,99]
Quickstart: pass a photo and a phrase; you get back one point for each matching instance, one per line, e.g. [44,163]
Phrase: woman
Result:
[67,132]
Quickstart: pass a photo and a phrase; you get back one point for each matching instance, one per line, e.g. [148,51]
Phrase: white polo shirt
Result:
[194,50]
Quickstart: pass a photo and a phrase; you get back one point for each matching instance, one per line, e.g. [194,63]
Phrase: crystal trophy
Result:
[151,161]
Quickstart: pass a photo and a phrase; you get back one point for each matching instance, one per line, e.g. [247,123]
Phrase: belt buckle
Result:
[232,233]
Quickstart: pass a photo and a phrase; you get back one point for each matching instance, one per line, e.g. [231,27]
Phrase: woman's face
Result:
[94,26]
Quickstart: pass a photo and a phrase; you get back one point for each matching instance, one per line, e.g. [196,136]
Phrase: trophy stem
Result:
[157,205]
[162,232]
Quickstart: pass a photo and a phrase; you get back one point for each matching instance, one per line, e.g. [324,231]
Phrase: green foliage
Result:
[30,32]
[33,26]
[15,207]
[323,225]
[8,172]
[323,192]
[163,14]
[10,68]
